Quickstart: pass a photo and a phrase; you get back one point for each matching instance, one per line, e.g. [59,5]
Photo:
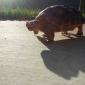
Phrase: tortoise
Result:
[57,18]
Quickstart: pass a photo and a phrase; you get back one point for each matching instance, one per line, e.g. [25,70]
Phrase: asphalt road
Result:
[27,60]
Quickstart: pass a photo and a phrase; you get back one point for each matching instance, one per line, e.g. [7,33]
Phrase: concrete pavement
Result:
[28,60]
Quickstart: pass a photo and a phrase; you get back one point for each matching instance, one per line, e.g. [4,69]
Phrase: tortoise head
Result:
[31,25]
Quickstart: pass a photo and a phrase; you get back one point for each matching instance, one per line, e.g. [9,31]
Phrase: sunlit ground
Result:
[25,60]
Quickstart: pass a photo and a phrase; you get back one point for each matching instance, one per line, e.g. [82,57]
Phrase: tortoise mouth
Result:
[30,29]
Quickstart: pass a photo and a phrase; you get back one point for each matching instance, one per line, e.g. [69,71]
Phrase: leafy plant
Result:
[18,13]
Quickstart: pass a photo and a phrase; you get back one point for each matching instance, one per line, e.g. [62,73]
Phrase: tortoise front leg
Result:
[35,32]
[49,36]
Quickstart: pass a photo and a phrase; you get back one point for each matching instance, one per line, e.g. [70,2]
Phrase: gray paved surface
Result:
[27,60]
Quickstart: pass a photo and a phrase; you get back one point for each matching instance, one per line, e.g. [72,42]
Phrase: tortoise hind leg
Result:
[80,31]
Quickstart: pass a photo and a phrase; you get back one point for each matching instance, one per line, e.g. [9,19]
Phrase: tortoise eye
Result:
[32,23]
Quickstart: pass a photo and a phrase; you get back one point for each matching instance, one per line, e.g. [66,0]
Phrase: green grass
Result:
[18,14]
[84,14]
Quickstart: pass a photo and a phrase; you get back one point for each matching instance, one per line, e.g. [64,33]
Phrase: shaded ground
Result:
[28,60]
